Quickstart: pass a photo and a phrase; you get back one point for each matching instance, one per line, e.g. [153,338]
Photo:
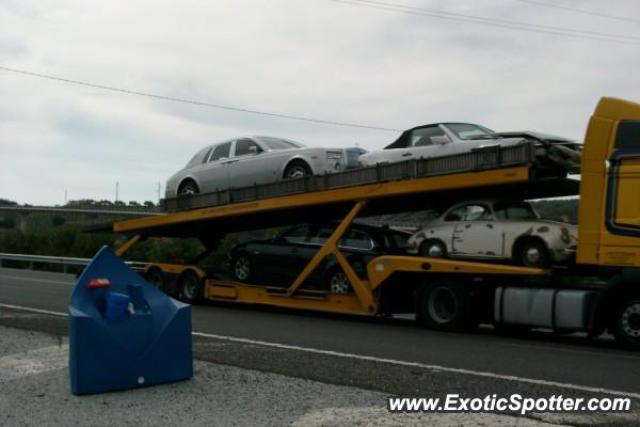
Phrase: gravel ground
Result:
[34,391]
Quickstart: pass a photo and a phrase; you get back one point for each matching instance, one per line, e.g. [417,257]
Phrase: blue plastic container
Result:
[127,334]
[117,306]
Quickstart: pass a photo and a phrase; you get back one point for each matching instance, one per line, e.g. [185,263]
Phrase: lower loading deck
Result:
[367,297]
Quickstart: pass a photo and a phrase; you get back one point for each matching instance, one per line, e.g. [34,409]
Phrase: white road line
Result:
[435,368]
[34,310]
[28,279]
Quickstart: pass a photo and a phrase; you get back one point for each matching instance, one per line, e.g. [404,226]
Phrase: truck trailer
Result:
[599,292]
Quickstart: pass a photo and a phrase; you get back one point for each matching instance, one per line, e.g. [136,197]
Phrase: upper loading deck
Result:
[413,185]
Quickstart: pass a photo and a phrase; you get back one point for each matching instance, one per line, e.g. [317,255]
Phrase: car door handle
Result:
[229,162]
[407,154]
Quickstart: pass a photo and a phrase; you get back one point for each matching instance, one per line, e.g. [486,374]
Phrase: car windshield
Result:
[469,131]
[514,210]
[279,144]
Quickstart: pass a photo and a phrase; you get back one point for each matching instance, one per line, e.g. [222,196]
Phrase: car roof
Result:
[398,142]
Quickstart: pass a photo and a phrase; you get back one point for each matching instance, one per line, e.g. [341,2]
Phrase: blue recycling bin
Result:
[124,333]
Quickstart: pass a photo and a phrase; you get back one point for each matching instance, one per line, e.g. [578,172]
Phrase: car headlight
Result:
[334,155]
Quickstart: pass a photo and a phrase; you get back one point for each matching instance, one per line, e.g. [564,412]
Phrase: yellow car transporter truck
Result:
[601,292]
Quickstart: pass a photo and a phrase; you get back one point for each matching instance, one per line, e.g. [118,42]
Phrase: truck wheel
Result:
[433,248]
[241,267]
[155,276]
[445,307]
[626,323]
[189,287]
[533,253]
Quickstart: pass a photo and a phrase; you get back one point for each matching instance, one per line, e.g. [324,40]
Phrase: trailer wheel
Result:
[189,287]
[241,267]
[626,323]
[155,276]
[445,307]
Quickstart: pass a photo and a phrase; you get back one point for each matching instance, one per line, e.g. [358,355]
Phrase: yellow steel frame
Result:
[381,268]
[330,247]
[372,191]
[124,248]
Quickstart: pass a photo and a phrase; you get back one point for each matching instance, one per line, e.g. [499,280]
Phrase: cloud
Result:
[316,58]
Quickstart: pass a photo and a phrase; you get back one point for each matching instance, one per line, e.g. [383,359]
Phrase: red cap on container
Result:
[99,283]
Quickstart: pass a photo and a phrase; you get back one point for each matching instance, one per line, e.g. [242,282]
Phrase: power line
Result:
[584,12]
[514,25]
[193,102]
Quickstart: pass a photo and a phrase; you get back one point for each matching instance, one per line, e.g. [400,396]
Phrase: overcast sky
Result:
[314,58]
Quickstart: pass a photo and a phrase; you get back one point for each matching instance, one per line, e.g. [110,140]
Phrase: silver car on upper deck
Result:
[247,161]
[445,139]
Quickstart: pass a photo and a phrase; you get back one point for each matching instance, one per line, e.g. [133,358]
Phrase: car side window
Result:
[205,159]
[457,214]
[246,147]
[469,213]
[221,152]
[477,213]
[296,234]
[357,240]
[421,137]
[321,236]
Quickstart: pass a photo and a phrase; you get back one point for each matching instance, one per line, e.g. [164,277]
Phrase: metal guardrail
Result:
[493,157]
[64,261]
[96,211]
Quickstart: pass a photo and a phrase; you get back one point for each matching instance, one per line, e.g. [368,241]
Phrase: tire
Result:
[155,276]
[297,169]
[433,248]
[189,287]
[337,282]
[533,253]
[188,188]
[445,307]
[626,323]
[241,267]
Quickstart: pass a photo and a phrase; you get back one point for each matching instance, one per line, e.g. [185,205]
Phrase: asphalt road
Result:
[571,360]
